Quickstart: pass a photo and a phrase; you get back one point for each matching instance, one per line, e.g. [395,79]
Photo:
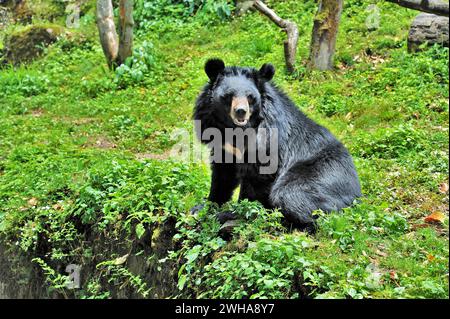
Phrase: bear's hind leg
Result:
[297,199]
[295,205]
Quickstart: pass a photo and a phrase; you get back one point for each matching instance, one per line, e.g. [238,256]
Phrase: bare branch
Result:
[291,29]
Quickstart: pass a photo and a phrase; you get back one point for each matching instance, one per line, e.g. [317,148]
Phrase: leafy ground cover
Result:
[84,154]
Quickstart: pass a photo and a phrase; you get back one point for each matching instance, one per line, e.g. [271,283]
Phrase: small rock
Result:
[428,28]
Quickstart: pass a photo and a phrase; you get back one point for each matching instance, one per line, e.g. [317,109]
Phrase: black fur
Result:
[315,171]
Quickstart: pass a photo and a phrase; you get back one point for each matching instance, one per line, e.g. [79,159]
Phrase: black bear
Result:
[313,169]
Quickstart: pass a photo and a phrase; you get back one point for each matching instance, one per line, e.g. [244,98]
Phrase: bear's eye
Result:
[251,99]
[226,98]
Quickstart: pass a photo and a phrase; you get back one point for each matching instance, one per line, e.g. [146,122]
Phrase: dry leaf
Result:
[435,217]
[57,206]
[381,253]
[430,257]
[393,275]
[443,188]
[120,260]
[32,201]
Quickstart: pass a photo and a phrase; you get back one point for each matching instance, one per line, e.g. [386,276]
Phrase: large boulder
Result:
[29,43]
[428,28]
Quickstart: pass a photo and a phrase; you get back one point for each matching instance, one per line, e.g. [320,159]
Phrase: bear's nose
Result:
[240,112]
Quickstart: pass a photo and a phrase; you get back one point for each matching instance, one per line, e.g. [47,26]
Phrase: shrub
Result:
[148,13]
[137,66]
[390,142]
[20,83]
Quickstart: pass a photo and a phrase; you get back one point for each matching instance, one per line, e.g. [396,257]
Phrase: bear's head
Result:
[236,93]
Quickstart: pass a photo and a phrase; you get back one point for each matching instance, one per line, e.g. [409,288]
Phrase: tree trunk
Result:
[107,31]
[126,24]
[291,29]
[116,50]
[430,6]
[325,29]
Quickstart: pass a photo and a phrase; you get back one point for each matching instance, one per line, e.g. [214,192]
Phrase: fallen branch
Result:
[431,6]
[291,29]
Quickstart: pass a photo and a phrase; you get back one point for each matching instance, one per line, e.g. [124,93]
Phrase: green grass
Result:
[70,131]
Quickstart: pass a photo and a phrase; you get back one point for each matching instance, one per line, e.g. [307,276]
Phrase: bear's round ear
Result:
[213,67]
[266,72]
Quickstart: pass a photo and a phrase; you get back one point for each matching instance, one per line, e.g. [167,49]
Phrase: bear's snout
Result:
[240,111]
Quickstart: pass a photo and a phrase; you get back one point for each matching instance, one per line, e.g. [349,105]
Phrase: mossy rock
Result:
[29,43]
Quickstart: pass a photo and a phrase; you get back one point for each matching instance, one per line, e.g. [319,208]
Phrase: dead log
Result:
[430,6]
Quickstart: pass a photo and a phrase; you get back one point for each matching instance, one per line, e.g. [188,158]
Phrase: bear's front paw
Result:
[223,217]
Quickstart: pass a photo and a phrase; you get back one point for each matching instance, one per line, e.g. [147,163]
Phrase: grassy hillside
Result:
[84,158]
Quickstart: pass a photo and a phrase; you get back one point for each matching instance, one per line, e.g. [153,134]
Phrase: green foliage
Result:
[266,261]
[137,66]
[55,280]
[94,291]
[73,190]
[362,218]
[268,269]
[391,143]
[199,241]
[147,192]
[14,82]
[149,14]
[120,275]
